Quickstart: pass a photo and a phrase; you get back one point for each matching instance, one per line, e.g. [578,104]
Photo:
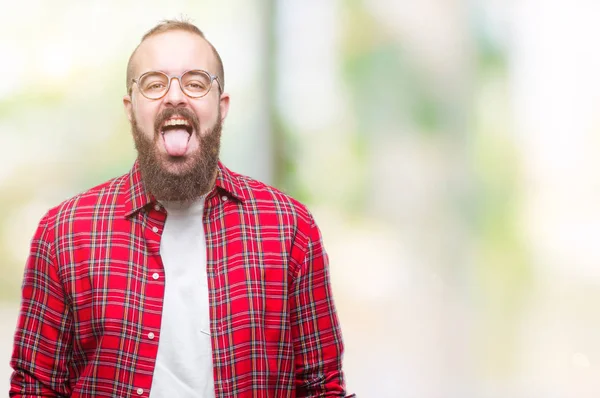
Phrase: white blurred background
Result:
[447,148]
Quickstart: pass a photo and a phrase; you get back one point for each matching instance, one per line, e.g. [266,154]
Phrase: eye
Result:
[195,85]
[155,86]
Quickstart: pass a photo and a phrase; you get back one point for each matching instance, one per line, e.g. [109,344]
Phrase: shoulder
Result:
[265,199]
[106,198]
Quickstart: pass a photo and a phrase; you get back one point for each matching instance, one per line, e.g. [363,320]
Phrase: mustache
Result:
[181,112]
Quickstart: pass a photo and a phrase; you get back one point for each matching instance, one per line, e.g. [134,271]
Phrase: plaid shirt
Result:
[93,287]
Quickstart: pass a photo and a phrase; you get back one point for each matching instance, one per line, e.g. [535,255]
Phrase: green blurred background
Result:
[446,147]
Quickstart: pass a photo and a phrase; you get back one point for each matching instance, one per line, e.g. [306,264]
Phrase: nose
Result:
[175,96]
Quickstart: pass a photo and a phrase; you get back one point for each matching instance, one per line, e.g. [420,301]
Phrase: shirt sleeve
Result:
[43,334]
[316,333]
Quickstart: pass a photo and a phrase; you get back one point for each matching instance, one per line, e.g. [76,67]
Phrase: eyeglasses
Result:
[194,83]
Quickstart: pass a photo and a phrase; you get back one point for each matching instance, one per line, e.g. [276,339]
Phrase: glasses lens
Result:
[196,83]
[154,84]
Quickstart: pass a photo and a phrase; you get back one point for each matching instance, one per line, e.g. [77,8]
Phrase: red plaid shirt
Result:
[94,282]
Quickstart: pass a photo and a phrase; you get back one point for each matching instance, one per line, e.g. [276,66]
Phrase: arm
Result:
[318,347]
[43,334]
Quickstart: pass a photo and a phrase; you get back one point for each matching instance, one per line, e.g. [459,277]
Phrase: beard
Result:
[195,173]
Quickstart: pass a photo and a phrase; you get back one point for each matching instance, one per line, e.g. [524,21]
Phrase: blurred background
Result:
[446,147]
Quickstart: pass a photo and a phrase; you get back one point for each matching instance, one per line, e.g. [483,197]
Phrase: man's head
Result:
[177,136]
[169,26]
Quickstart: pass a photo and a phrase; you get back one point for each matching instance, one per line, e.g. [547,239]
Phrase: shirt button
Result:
[224,198]
[157,207]
[155,276]
[140,391]
[154,229]
[151,336]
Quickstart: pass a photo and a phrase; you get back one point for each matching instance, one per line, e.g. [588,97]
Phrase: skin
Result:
[174,53]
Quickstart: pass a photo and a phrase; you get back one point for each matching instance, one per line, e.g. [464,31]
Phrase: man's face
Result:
[177,137]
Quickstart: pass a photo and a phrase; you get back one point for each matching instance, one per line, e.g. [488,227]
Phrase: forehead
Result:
[174,52]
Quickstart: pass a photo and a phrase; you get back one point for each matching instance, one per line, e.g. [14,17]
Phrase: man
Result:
[180,278]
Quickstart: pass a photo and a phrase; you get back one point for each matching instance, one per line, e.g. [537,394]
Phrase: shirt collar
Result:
[136,196]
[229,182]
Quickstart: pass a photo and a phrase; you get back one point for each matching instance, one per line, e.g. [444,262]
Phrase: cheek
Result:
[145,117]
[207,116]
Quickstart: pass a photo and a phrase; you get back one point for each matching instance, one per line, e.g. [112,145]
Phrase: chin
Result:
[176,164]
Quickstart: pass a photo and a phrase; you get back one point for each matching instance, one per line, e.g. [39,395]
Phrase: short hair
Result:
[169,25]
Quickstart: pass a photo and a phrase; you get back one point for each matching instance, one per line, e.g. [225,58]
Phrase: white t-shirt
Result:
[184,360]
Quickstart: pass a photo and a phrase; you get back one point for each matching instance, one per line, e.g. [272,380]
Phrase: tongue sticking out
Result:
[176,141]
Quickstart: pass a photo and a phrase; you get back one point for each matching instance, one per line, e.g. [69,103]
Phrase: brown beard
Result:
[191,181]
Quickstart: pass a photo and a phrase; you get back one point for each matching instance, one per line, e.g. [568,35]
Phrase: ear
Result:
[127,103]
[224,105]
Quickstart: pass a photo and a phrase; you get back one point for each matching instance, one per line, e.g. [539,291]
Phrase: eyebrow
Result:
[176,74]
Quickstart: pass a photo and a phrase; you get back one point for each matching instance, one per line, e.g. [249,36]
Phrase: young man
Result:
[180,278]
